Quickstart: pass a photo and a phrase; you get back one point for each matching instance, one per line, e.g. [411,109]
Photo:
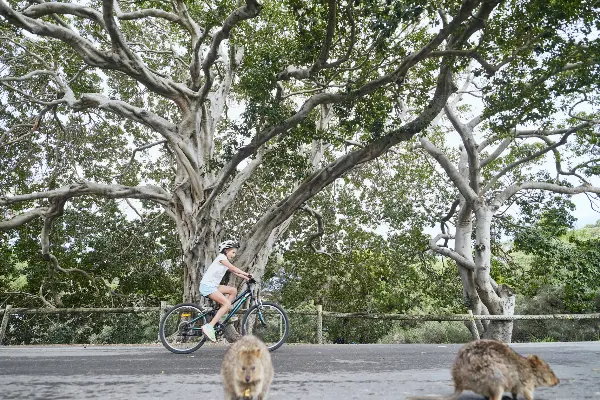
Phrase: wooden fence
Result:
[319,313]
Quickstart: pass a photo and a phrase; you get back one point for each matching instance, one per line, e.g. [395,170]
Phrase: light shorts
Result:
[205,289]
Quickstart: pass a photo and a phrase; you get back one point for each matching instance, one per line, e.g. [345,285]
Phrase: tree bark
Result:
[497,303]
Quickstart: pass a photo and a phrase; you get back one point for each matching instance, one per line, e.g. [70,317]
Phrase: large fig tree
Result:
[215,89]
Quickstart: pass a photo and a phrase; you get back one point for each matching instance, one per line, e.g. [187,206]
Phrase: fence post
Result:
[5,318]
[161,314]
[319,324]
[474,330]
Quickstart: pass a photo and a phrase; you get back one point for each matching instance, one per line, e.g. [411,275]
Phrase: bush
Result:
[83,328]
[428,332]
[552,300]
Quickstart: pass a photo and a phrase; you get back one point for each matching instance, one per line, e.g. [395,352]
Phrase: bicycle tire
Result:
[271,312]
[195,339]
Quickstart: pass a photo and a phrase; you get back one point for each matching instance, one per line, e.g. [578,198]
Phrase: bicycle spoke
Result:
[269,323]
[180,329]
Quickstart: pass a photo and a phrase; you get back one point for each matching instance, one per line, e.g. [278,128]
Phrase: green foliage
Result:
[139,258]
[378,260]
[428,332]
[570,261]
[554,300]
[84,329]
[552,35]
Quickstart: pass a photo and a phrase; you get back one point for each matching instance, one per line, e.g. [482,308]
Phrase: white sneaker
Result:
[209,332]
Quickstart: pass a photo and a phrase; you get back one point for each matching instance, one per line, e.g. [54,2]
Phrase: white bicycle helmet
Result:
[228,244]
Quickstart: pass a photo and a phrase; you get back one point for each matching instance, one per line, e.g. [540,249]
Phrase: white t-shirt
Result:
[215,271]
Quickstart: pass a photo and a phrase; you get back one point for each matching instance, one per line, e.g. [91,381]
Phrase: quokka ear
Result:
[534,360]
[251,352]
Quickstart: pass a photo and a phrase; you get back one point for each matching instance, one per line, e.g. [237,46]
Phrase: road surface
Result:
[301,372]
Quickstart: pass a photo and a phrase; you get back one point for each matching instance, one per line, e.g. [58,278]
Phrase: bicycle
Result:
[180,330]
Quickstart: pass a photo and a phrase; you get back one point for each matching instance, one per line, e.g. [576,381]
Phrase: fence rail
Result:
[319,313]
[80,310]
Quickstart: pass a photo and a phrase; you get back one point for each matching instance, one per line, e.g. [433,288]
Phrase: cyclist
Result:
[210,285]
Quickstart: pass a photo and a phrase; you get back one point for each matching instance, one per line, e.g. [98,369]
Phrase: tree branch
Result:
[320,230]
[83,188]
[447,218]
[248,11]
[551,187]
[466,134]
[320,62]
[533,156]
[489,68]
[445,251]
[238,181]
[141,148]
[23,218]
[124,60]
[497,152]
[151,12]
[461,184]
[41,10]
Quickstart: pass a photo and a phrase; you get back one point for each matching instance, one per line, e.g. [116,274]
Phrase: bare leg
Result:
[225,305]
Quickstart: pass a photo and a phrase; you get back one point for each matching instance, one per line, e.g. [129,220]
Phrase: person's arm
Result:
[235,270]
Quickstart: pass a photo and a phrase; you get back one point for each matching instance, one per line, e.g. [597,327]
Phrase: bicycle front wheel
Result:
[268,322]
[180,329]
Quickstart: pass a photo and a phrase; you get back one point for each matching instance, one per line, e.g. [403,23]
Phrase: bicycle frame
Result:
[236,303]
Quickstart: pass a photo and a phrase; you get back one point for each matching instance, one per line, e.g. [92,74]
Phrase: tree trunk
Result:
[499,300]
[464,230]
[199,248]
[464,247]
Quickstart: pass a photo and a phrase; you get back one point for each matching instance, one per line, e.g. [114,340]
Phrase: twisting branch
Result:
[533,156]
[123,60]
[56,210]
[558,164]
[141,148]
[250,10]
[445,251]
[463,186]
[521,133]
[151,12]
[320,231]
[551,187]
[49,8]
[23,218]
[46,302]
[466,134]
[303,73]
[593,205]
[447,218]
[82,188]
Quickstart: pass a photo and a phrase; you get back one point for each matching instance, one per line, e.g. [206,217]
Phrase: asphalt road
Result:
[301,372]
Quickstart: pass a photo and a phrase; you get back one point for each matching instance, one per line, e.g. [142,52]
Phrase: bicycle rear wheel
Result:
[180,329]
[268,322]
